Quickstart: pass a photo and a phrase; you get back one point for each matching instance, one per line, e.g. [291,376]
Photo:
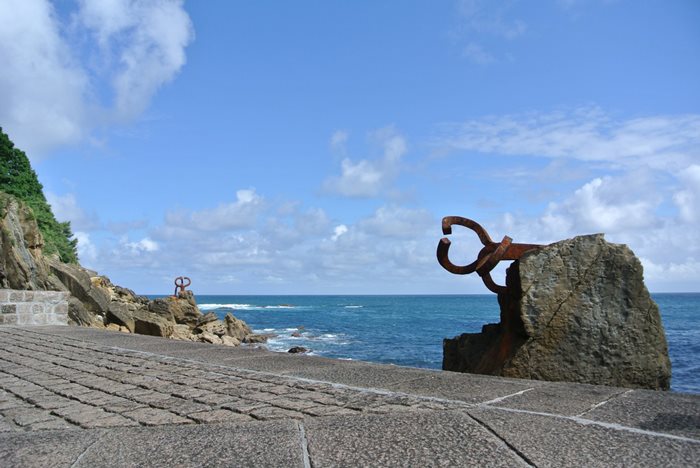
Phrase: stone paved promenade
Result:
[83,397]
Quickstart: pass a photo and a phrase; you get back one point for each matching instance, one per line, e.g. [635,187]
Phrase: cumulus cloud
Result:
[145,40]
[53,75]
[43,89]
[368,178]
[87,251]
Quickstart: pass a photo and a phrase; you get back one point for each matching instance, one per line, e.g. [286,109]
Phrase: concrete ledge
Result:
[72,396]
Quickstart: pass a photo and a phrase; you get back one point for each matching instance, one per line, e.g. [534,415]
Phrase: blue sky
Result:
[313,147]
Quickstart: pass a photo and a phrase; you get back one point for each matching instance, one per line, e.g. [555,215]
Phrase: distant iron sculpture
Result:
[181,285]
[489,256]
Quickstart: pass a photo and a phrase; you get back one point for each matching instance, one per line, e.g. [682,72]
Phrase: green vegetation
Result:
[19,179]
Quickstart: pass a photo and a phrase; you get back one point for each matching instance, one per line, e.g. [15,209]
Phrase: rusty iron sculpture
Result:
[489,256]
[181,285]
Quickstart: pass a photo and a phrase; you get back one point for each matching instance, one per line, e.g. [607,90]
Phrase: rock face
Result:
[95,301]
[577,311]
[21,264]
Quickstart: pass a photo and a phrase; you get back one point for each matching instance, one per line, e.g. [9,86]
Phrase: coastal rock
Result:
[120,314]
[182,332]
[77,280]
[215,327]
[230,341]
[154,325]
[79,315]
[297,350]
[577,311]
[207,318]
[255,338]
[178,309]
[206,337]
[236,328]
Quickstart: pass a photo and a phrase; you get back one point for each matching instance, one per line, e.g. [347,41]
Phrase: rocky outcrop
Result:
[576,311]
[94,300]
[22,266]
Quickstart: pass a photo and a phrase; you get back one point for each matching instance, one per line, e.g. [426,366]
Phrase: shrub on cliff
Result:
[19,179]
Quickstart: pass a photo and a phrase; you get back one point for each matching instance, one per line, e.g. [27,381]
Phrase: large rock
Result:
[22,265]
[78,281]
[151,324]
[182,310]
[236,328]
[577,311]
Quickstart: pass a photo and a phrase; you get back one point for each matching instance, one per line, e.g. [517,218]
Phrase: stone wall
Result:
[33,307]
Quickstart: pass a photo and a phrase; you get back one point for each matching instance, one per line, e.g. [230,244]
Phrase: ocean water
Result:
[408,330]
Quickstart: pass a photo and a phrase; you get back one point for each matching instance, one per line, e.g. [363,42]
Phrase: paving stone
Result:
[244,406]
[256,444]
[288,403]
[155,417]
[219,415]
[557,441]
[271,412]
[214,398]
[442,439]
[13,402]
[560,398]
[675,413]
[185,407]
[321,410]
[29,416]
[108,420]
[52,424]
[48,449]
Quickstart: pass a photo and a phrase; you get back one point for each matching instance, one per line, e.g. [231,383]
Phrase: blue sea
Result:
[408,330]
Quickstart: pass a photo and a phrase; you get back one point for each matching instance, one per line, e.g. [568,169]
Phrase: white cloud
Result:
[53,74]
[227,216]
[587,134]
[87,251]
[398,222]
[606,205]
[369,178]
[65,208]
[148,41]
[338,231]
[144,245]
[42,89]
[688,199]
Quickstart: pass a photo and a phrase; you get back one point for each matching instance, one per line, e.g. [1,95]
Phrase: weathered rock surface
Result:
[578,311]
[95,301]
[22,265]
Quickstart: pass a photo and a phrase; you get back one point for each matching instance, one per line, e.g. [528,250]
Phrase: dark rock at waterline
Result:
[298,350]
[577,311]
